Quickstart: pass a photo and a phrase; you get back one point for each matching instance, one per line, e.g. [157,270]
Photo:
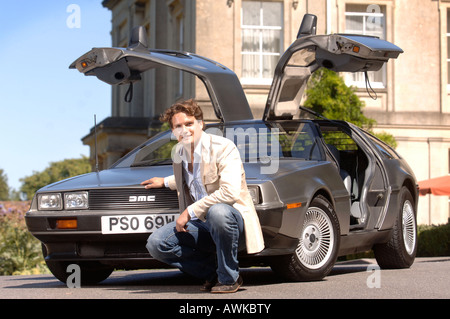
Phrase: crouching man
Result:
[217,217]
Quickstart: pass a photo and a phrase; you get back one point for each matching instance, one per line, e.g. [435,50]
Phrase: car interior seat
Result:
[346,178]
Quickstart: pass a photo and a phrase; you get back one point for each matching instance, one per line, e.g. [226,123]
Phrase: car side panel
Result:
[302,186]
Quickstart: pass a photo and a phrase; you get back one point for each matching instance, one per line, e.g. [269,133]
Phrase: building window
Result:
[262,31]
[448,48]
[448,160]
[366,20]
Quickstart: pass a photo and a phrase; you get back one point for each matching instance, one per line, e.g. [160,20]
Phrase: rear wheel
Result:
[318,245]
[400,250]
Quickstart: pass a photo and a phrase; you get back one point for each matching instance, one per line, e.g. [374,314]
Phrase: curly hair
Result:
[189,107]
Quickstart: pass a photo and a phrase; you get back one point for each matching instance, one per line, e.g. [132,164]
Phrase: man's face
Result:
[187,129]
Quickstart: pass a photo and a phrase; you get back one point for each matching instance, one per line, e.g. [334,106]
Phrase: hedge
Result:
[433,241]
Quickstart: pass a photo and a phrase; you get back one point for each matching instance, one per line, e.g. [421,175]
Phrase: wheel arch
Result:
[325,193]
[342,214]
[412,187]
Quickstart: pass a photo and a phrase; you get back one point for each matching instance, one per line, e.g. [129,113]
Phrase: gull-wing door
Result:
[117,66]
[309,52]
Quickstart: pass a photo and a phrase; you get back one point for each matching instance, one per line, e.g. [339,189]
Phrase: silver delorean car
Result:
[322,188]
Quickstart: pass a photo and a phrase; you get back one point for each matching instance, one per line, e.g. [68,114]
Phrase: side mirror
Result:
[308,26]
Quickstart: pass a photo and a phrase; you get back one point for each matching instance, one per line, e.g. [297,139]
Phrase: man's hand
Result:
[155,182]
[182,221]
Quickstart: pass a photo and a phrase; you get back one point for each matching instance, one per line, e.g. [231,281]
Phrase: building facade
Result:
[248,36]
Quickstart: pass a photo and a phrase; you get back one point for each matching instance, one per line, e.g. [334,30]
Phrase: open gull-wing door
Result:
[118,66]
[309,52]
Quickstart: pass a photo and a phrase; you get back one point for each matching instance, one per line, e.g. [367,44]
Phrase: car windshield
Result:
[256,141]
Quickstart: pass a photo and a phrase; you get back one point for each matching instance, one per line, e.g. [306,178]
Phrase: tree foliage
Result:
[4,189]
[55,172]
[327,94]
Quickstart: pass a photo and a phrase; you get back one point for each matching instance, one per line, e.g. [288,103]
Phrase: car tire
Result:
[318,245]
[91,272]
[400,251]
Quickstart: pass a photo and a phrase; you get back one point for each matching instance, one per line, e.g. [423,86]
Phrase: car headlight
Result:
[78,200]
[50,202]
[254,193]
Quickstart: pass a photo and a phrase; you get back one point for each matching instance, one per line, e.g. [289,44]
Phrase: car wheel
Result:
[91,272]
[400,250]
[318,245]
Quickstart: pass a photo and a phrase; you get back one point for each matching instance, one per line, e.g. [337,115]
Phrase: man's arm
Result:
[159,182]
[155,182]
[182,220]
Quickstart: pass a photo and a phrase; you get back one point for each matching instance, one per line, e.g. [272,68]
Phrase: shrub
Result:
[20,252]
[433,241]
[328,95]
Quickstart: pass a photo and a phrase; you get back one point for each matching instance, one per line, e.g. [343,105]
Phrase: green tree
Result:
[55,172]
[327,94]
[4,189]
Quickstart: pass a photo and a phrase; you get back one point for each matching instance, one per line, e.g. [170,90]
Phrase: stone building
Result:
[248,36]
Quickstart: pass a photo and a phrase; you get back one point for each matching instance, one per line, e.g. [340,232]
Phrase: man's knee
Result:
[157,242]
[152,245]
[219,213]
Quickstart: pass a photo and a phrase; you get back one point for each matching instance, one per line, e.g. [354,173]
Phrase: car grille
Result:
[132,199]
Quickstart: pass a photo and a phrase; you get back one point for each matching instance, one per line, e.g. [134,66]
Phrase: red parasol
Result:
[435,186]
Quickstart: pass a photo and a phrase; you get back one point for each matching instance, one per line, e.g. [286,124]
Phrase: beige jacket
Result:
[223,176]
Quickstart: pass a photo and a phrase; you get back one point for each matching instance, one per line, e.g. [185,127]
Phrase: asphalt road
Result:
[428,278]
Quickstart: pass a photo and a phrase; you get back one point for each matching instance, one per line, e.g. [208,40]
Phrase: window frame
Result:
[260,80]
[447,35]
[351,79]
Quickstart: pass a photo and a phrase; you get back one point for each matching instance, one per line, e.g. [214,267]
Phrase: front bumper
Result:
[127,251]
[87,242]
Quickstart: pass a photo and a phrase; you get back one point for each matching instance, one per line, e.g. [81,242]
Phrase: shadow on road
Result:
[351,266]
[172,280]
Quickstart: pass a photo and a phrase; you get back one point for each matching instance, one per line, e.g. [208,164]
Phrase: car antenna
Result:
[95,145]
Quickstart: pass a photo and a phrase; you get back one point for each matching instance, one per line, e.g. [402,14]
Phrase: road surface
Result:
[428,278]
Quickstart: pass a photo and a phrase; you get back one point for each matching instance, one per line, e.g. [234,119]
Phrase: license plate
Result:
[126,224]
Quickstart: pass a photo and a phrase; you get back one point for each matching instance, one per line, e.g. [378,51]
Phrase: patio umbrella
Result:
[435,186]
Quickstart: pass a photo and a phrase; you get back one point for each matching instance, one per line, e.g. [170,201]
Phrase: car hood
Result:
[132,177]
[109,178]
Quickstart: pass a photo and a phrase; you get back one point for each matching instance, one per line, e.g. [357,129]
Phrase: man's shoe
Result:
[208,285]
[221,288]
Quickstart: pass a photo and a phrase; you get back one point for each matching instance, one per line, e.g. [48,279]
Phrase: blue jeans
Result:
[208,249]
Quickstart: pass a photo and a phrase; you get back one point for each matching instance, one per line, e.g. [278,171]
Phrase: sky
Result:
[45,107]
